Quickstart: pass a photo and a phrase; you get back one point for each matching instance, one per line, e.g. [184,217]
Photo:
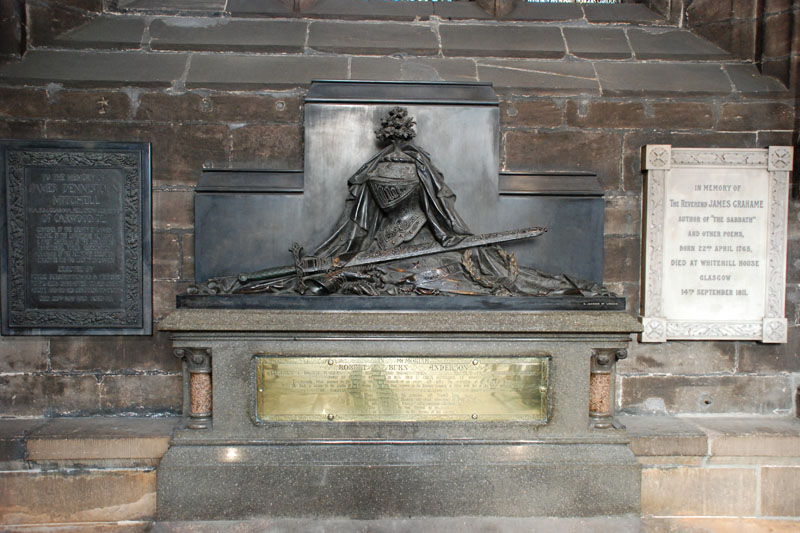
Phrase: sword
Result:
[306,266]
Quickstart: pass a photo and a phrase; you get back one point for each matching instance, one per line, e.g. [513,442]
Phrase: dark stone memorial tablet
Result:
[76,249]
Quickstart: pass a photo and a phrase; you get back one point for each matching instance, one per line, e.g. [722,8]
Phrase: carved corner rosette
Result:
[775,331]
[657,157]
[601,386]
[197,362]
[654,329]
[780,158]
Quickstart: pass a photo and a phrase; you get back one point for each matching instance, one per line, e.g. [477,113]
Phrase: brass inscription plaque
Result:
[401,388]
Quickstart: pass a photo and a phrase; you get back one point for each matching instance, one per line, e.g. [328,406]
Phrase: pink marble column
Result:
[197,365]
[601,386]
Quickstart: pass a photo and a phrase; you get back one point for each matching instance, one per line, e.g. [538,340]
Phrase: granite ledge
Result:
[253,320]
[651,436]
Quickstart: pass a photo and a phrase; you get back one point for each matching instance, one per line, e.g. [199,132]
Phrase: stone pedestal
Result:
[576,463]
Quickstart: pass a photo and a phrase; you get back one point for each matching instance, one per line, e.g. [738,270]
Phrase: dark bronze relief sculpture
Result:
[400,234]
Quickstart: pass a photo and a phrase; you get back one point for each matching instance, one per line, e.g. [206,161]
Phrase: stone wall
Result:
[587,106]
[766,32]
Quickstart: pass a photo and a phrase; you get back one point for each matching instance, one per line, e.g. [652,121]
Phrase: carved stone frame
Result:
[658,161]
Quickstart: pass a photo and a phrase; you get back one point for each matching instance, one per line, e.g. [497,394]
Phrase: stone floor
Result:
[725,473]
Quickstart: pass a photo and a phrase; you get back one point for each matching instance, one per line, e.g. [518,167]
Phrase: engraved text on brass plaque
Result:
[401,388]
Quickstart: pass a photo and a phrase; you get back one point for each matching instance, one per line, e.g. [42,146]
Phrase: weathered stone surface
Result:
[49,395]
[113,353]
[413,69]
[591,151]
[235,71]
[735,36]
[680,357]
[627,290]
[763,358]
[780,68]
[625,524]
[749,81]
[531,113]
[228,35]
[92,496]
[218,107]
[615,13]
[780,490]
[676,115]
[535,77]
[502,41]
[764,395]
[672,45]
[77,439]
[173,7]
[277,147]
[663,436]
[173,210]
[142,394]
[13,434]
[621,256]
[187,259]
[777,34]
[340,9]
[23,102]
[774,138]
[671,79]
[758,116]
[164,293]
[262,320]
[633,142]
[793,264]
[166,255]
[105,105]
[12,44]
[699,491]
[702,524]
[597,43]
[105,33]
[178,151]
[19,354]
[546,12]
[757,436]
[623,214]
[706,10]
[46,20]
[21,129]
[775,6]
[388,38]
[96,69]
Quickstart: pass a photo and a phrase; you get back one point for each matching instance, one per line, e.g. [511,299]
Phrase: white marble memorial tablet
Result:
[715,243]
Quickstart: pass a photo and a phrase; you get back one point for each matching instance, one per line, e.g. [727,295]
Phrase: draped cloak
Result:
[362,216]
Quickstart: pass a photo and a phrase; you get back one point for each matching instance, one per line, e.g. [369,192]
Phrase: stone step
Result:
[393,10]
[618,41]
[624,524]
[255,72]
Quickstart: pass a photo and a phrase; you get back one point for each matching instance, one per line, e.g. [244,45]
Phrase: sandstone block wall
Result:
[566,106]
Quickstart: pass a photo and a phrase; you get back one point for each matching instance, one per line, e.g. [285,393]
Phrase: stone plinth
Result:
[240,467]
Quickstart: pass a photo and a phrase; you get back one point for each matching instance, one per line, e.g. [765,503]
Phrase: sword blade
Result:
[418,250]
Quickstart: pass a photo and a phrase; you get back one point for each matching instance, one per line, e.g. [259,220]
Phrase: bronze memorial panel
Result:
[76,252]
[401,388]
